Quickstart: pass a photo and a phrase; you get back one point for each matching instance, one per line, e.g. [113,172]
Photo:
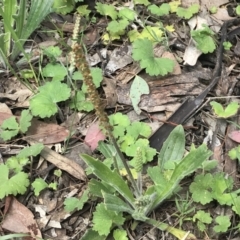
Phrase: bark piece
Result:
[165,93]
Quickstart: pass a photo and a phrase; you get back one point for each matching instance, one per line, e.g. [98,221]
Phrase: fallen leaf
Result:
[119,58]
[191,54]
[20,219]
[138,88]
[94,135]
[4,116]
[222,14]
[46,133]
[109,87]
[62,162]
[235,136]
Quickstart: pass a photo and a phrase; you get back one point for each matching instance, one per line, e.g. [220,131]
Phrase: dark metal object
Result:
[191,105]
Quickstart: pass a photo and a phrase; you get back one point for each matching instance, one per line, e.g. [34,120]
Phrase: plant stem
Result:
[82,65]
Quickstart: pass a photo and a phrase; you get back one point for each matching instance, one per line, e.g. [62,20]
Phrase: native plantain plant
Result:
[121,199]
[19,21]
[128,197]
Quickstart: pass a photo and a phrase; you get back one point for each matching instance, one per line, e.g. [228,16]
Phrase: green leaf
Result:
[238,10]
[225,198]
[96,188]
[234,153]
[109,152]
[227,45]
[144,2]
[56,71]
[204,39]
[83,10]
[25,121]
[52,51]
[137,129]
[103,219]
[143,144]
[221,183]
[38,185]
[138,88]
[106,10]
[201,226]
[80,103]
[187,13]
[209,165]
[173,148]
[164,9]
[10,124]
[186,166]
[120,234]
[119,119]
[57,173]
[77,76]
[7,135]
[75,203]
[97,76]
[223,224]
[117,27]
[10,128]
[92,235]
[16,164]
[236,205]
[53,185]
[109,177]
[33,150]
[203,217]
[154,34]
[143,52]
[127,13]
[213,10]
[156,175]
[174,5]
[63,6]
[25,24]
[15,185]
[119,123]
[201,188]
[43,104]
[114,203]
[229,111]
[207,187]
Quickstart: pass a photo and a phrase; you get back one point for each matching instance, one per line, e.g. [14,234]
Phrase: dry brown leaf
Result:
[4,116]
[109,87]
[46,133]
[62,162]
[20,219]
[222,14]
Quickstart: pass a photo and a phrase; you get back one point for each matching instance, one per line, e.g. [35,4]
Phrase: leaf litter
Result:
[162,99]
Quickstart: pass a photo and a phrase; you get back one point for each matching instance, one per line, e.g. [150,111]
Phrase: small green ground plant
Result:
[119,182]
[119,197]
[13,179]
[230,110]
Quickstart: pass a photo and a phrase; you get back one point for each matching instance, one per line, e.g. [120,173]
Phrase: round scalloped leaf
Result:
[44,103]
[63,6]
[38,185]
[56,71]
[56,90]
[43,106]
